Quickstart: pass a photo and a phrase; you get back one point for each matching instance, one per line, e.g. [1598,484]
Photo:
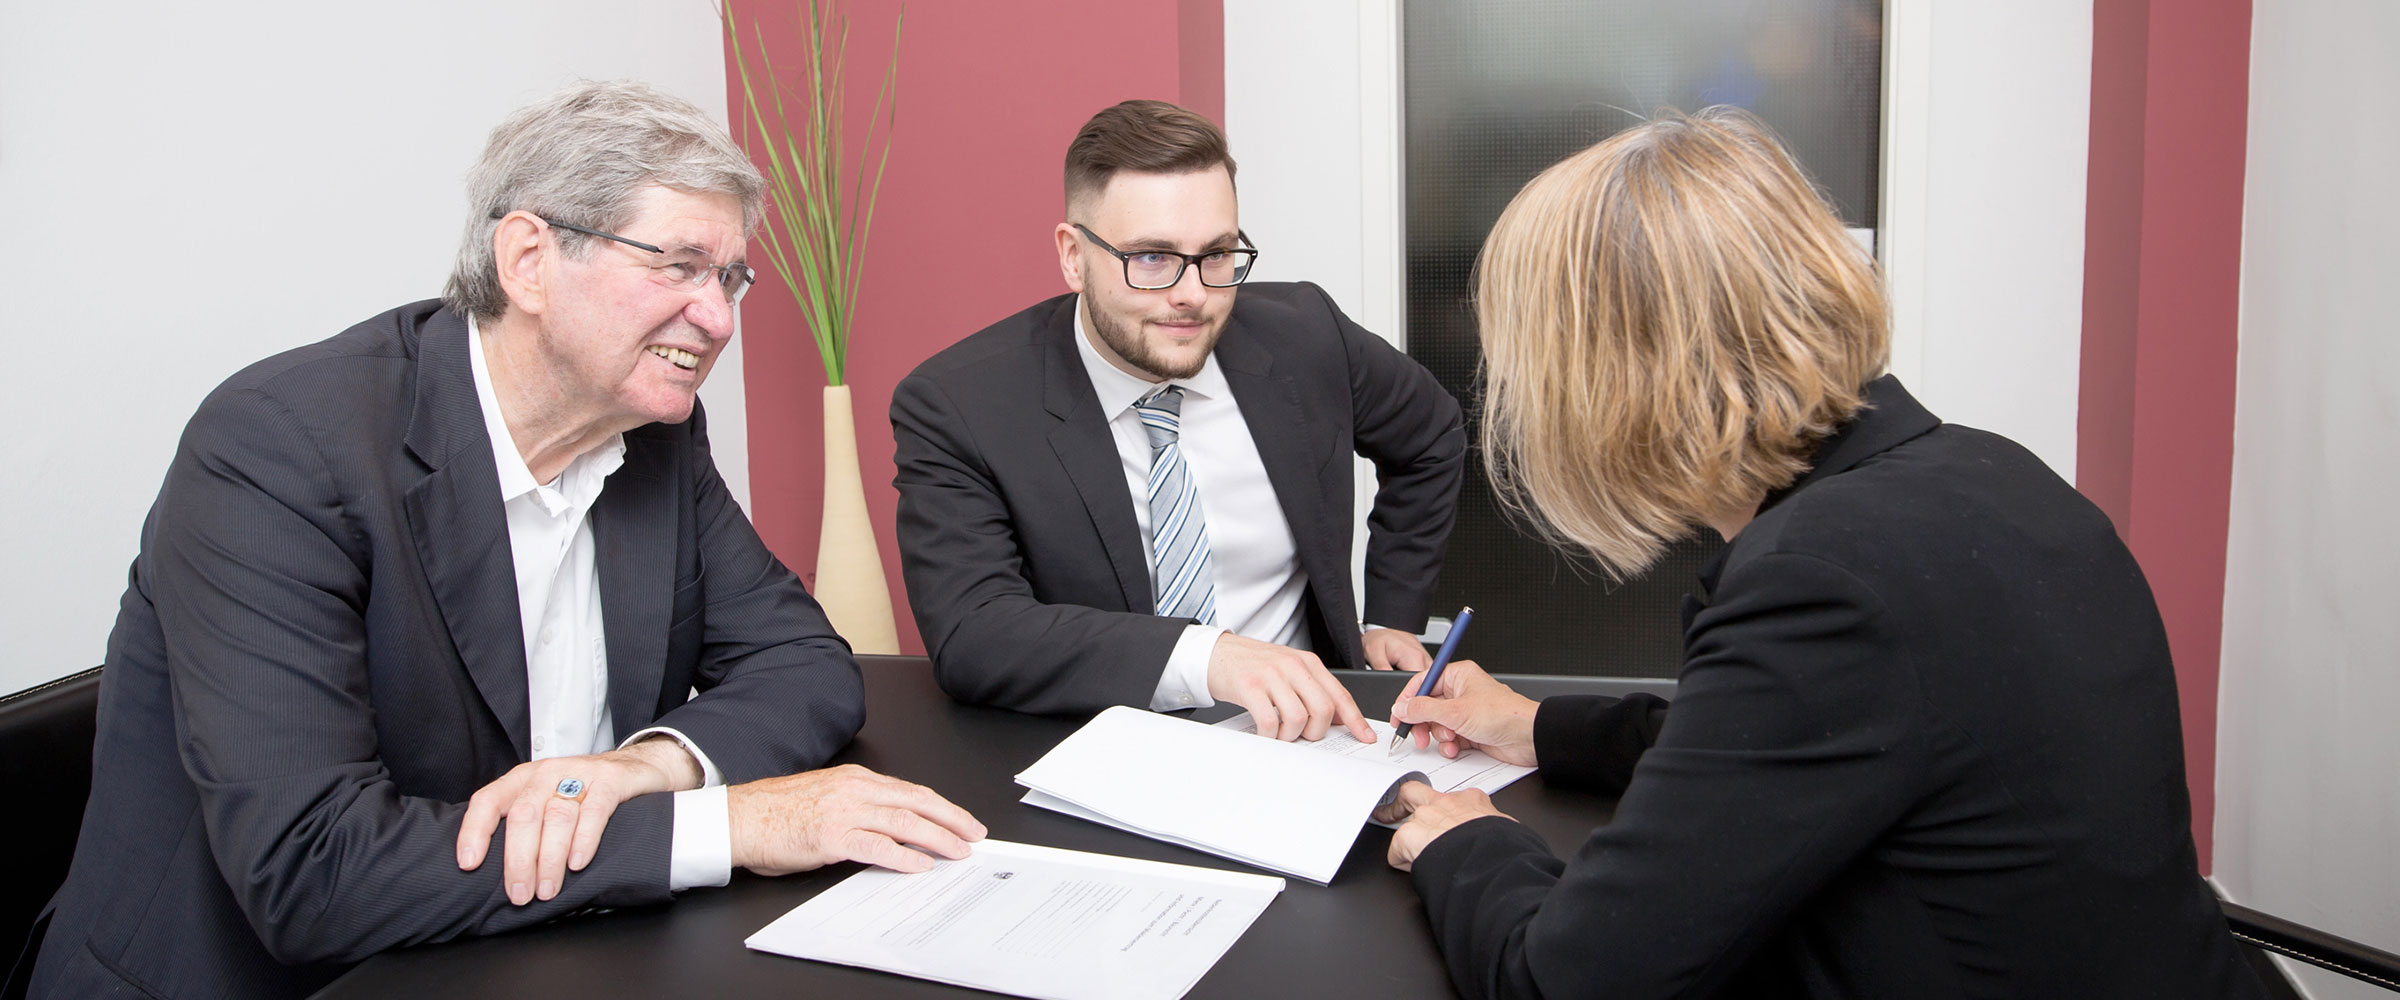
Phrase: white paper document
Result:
[1471,769]
[1288,807]
[1031,921]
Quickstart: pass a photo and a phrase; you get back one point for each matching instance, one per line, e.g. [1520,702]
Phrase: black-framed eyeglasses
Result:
[1151,270]
[733,279]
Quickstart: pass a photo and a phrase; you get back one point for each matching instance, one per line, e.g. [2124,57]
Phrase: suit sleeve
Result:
[1592,742]
[779,691]
[992,641]
[1412,430]
[259,583]
[1790,749]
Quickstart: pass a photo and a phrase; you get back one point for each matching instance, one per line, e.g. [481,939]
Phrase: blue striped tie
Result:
[1179,571]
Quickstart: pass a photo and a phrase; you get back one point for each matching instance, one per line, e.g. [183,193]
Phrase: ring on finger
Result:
[571,789]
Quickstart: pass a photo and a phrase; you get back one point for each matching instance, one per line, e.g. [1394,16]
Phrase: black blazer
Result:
[1924,745]
[1018,538]
[318,660]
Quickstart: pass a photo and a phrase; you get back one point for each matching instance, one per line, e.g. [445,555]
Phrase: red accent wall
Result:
[989,95]
[2162,291]
[1200,66]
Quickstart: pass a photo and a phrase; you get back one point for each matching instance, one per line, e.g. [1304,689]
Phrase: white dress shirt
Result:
[1252,554]
[566,645]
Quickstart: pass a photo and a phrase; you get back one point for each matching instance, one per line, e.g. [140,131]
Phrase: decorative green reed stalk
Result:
[816,237]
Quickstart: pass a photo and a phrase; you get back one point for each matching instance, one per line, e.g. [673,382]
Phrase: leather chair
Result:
[2268,932]
[46,735]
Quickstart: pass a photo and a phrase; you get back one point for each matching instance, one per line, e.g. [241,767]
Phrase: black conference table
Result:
[1365,935]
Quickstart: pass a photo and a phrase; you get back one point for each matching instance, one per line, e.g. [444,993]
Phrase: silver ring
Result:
[570,789]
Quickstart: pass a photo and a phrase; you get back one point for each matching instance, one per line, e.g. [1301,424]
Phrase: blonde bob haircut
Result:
[1671,321]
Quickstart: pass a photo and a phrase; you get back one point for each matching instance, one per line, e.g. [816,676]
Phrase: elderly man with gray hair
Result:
[411,646]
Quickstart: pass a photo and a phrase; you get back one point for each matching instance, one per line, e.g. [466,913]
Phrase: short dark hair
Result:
[1151,137]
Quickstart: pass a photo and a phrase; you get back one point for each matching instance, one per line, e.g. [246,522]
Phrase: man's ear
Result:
[522,256]
[1070,257]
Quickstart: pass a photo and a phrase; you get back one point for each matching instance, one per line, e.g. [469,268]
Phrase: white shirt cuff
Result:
[1184,684]
[702,852]
[709,775]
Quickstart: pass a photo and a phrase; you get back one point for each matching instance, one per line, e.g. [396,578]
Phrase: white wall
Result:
[190,187]
[1987,127]
[1312,108]
[2308,802]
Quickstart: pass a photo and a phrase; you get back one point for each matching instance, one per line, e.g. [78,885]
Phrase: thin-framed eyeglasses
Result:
[733,279]
[1151,270]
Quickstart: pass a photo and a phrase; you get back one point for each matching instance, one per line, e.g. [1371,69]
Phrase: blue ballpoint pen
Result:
[1458,627]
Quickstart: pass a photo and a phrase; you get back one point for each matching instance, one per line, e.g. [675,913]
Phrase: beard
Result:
[1126,340]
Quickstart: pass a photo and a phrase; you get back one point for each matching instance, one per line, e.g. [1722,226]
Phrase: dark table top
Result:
[1364,935]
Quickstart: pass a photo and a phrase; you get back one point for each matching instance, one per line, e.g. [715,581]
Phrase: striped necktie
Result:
[1179,570]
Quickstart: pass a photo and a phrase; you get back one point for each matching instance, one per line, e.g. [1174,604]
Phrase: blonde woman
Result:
[1924,742]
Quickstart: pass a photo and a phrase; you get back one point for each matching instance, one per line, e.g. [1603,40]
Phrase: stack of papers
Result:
[1031,921]
[1288,807]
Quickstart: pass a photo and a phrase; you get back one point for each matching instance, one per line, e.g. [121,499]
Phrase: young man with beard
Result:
[1139,493]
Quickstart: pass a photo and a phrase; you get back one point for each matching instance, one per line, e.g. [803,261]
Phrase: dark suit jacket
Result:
[1018,540]
[318,660]
[1924,744]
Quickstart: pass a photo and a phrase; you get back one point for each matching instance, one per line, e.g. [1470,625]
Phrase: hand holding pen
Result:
[1433,676]
[1467,709]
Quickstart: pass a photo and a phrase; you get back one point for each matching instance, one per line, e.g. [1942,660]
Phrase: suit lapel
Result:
[460,530]
[1287,446]
[1089,454]
[633,539]
[1295,456]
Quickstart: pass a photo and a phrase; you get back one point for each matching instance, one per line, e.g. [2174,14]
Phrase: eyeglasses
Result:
[732,279]
[1151,270]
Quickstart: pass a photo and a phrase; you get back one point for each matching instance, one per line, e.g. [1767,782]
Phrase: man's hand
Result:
[1289,692]
[847,813]
[1392,649]
[1430,814]
[1468,710]
[550,835]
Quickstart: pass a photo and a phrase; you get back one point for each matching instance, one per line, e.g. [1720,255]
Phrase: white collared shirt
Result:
[1252,553]
[566,643]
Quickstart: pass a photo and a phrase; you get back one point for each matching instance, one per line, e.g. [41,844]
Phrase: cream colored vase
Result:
[850,580]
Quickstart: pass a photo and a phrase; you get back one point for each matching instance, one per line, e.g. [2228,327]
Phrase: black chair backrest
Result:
[46,737]
[2365,963]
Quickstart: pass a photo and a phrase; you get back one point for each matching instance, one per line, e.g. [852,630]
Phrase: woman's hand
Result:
[1468,710]
[1430,814]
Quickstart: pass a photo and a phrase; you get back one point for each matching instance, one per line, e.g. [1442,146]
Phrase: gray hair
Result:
[582,156]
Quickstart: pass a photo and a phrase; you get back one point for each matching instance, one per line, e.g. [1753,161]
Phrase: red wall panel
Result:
[2162,297]
[989,95]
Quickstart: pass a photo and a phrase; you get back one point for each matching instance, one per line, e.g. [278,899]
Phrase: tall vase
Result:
[850,580]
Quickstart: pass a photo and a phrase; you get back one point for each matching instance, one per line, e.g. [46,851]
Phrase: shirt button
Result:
[1186,699]
[537,744]
[547,635]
